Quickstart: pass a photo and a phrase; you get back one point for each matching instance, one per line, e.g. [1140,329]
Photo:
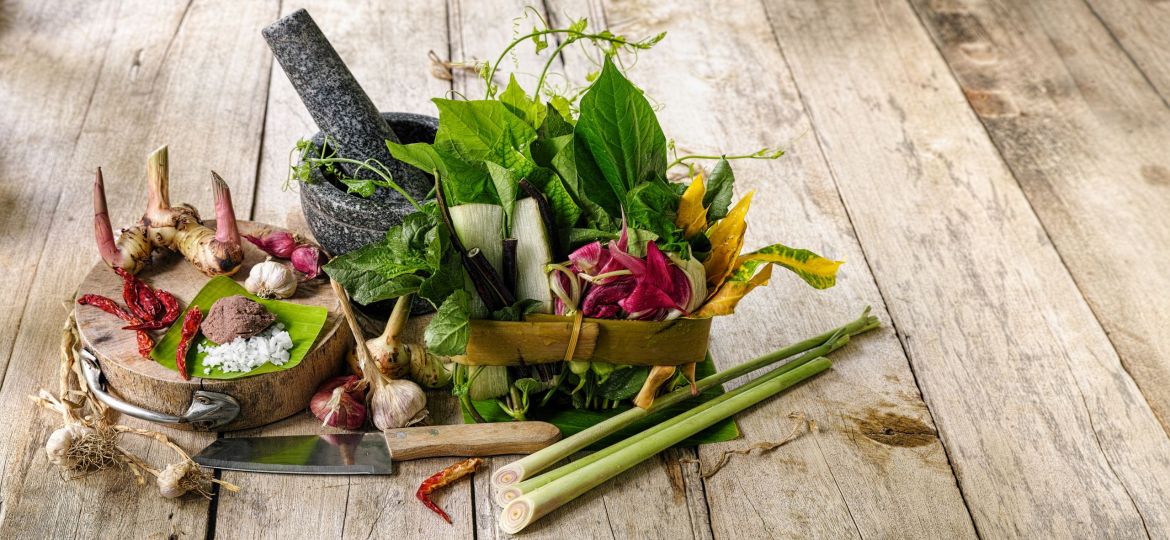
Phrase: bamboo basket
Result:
[541,339]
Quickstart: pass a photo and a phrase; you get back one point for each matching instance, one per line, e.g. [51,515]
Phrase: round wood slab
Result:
[263,398]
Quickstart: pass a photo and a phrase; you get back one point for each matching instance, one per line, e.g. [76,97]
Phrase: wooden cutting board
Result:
[263,398]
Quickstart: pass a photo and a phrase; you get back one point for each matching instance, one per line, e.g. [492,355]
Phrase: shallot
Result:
[340,403]
[305,257]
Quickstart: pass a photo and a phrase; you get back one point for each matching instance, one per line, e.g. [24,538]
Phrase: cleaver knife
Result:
[374,453]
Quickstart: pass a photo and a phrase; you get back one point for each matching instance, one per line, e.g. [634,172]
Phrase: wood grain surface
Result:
[994,174]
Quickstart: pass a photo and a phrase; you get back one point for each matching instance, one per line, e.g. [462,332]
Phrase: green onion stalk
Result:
[522,511]
[533,464]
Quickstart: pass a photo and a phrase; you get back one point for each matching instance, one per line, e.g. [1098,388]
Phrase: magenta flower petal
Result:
[589,258]
[603,301]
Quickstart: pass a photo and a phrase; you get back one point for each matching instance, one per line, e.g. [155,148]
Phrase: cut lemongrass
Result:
[522,511]
[533,464]
[505,494]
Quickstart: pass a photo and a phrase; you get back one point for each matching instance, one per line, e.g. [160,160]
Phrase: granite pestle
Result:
[337,102]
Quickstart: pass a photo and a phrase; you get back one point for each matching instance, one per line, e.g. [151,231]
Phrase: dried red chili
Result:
[145,344]
[171,310]
[443,478]
[190,328]
[108,306]
[130,295]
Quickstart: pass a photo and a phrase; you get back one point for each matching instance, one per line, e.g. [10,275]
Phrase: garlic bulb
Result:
[271,279]
[61,440]
[170,480]
[398,403]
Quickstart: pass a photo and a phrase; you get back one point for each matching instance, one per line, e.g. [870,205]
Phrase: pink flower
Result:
[621,286]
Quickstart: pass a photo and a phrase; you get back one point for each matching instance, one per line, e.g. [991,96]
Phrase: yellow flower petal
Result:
[726,242]
[692,217]
[728,295]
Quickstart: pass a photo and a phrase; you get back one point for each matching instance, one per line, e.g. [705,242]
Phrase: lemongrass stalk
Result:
[522,511]
[505,494]
[532,464]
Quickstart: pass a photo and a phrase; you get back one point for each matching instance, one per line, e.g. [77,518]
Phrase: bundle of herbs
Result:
[559,203]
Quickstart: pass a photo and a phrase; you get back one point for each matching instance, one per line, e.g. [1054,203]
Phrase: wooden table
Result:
[995,174]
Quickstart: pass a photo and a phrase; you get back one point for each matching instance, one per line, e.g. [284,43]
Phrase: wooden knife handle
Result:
[470,440]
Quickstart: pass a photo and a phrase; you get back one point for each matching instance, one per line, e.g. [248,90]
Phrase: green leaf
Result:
[506,187]
[447,278]
[624,383]
[517,311]
[447,333]
[563,107]
[378,271]
[518,102]
[528,385]
[360,186]
[719,187]
[472,133]
[620,135]
[579,25]
[651,206]
[564,208]
[302,322]
[421,155]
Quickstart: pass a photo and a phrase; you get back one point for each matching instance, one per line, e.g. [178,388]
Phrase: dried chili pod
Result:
[145,344]
[190,328]
[108,306]
[443,478]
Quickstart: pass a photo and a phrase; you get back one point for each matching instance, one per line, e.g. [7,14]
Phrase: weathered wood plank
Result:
[44,109]
[166,68]
[386,48]
[735,95]
[1030,398]
[1142,28]
[1083,149]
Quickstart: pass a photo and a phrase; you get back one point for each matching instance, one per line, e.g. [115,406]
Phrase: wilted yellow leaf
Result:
[815,270]
[728,295]
[726,241]
[691,216]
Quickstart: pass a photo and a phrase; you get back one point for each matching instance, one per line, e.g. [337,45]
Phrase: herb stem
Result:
[368,166]
[759,154]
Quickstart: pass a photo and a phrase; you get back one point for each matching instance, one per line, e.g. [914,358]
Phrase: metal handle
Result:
[208,410]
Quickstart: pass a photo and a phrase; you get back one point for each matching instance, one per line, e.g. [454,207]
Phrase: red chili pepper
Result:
[443,478]
[171,312]
[108,306]
[139,297]
[190,328]
[145,344]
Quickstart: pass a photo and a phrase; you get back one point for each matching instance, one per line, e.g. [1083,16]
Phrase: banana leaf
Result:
[302,323]
[571,420]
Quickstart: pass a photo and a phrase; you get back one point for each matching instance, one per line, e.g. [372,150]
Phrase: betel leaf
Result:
[447,333]
[377,271]
[447,277]
[719,188]
[360,186]
[624,383]
[621,137]
[518,102]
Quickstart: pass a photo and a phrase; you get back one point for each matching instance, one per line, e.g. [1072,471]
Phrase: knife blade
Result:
[373,453]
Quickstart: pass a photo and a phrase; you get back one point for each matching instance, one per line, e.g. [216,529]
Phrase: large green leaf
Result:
[447,333]
[302,322]
[571,421]
[621,137]
[518,102]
